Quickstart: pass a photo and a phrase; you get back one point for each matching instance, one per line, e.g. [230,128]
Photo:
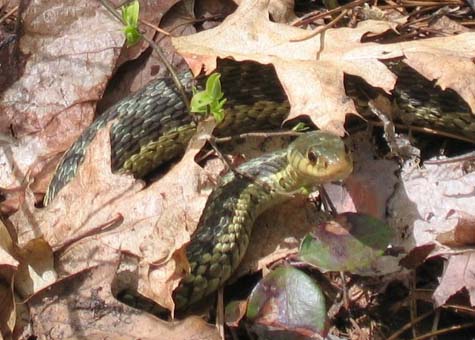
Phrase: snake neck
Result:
[289,180]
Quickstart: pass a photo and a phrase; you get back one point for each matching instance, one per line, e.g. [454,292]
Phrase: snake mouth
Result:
[325,171]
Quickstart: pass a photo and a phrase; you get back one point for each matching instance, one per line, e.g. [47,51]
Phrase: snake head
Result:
[319,157]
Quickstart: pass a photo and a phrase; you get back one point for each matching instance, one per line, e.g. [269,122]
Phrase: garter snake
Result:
[223,232]
[152,127]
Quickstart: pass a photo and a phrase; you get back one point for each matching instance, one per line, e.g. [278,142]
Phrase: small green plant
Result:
[300,127]
[130,15]
[210,100]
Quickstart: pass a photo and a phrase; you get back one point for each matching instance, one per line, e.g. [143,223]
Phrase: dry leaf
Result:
[8,266]
[134,75]
[36,270]
[99,215]
[151,12]
[6,249]
[72,49]
[459,274]
[363,191]
[82,307]
[421,209]
[8,310]
[320,62]
[463,234]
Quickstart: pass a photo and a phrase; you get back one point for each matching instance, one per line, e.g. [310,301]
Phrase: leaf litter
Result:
[66,72]
[92,240]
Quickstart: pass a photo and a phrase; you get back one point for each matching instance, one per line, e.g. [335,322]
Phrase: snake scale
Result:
[153,126]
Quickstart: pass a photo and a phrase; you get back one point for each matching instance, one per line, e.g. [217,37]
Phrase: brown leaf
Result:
[100,215]
[8,266]
[463,234]
[8,310]
[36,270]
[172,16]
[423,205]
[151,12]
[82,306]
[72,49]
[447,60]
[320,61]
[459,274]
[364,192]
[6,249]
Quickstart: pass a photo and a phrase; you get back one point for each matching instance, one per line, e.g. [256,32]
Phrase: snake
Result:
[225,226]
[153,126]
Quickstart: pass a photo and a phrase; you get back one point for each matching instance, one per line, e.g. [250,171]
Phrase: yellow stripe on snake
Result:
[152,127]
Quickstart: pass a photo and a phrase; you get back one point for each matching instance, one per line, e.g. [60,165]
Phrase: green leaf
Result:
[132,36]
[351,242]
[288,300]
[210,100]
[130,15]
[213,86]
[200,102]
[300,127]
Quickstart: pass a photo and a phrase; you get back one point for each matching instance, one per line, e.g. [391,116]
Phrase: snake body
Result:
[223,232]
[152,125]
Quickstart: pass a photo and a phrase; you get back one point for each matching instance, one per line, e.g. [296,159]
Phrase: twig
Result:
[435,322]
[264,134]
[155,27]
[413,303]
[469,157]
[446,330]
[236,171]
[322,29]
[5,17]
[110,224]
[312,17]
[18,28]
[408,325]
[158,50]
[430,3]
[428,131]
[346,301]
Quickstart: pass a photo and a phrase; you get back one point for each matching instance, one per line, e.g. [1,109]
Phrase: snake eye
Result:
[312,157]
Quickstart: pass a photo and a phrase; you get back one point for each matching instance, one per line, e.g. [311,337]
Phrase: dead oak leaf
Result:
[311,68]
[82,306]
[459,274]
[71,50]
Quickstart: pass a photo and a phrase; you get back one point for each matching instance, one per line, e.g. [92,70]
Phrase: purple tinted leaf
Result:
[288,299]
[351,242]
